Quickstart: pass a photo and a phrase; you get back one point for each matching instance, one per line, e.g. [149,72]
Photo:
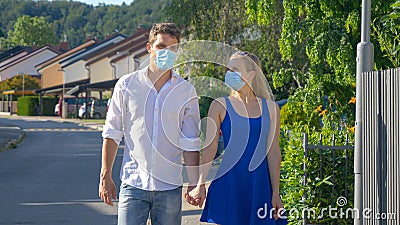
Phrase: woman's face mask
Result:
[234,80]
[165,59]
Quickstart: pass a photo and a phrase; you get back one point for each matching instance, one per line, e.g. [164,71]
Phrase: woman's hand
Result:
[277,205]
[197,196]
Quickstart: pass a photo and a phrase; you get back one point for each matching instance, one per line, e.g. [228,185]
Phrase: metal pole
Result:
[128,61]
[365,62]
[23,84]
[63,102]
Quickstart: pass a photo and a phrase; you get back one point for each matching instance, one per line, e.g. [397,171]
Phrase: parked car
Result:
[56,109]
[71,104]
[99,108]
[82,111]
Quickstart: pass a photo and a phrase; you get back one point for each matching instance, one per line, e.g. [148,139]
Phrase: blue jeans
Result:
[135,205]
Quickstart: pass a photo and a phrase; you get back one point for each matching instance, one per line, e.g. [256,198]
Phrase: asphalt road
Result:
[52,177]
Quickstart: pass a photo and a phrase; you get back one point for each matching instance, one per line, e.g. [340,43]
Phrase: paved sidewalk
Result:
[10,136]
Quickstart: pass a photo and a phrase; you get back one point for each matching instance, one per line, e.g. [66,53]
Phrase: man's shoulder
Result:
[183,81]
[127,78]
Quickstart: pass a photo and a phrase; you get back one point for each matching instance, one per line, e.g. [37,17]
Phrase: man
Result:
[157,112]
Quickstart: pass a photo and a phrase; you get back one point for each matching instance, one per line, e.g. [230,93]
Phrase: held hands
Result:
[196,195]
[107,190]
[277,205]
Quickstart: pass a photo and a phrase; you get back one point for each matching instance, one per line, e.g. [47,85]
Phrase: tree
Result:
[225,21]
[32,30]
[318,42]
[19,82]
[386,31]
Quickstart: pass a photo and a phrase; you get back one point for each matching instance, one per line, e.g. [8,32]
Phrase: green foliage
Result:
[386,30]
[32,30]
[28,105]
[201,18]
[326,173]
[17,82]
[293,113]
[48,105]
[76,20]
[262,11]
[225,21]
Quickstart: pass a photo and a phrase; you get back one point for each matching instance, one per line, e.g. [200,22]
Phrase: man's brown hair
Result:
[163,28]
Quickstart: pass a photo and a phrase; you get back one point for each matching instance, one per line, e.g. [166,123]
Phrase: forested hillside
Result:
[76,20]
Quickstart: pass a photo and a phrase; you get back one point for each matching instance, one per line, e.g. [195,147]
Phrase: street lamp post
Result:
[23,84]
[365,62]
[63,108]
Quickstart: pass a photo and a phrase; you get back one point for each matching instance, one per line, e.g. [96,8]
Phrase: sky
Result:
[107,2]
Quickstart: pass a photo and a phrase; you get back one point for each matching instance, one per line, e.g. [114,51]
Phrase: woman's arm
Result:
[274,163]
[210,149]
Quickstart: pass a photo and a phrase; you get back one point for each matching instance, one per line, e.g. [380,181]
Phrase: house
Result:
[66,73]
[26,63]
[14,54]
[107,65]
[74,67]
[51,71]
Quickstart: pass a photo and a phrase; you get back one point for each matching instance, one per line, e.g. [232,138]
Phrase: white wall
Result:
[101,71]
[27,66]
[121,66]
[76,72]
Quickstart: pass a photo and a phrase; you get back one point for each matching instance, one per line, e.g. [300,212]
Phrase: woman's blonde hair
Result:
[259,85]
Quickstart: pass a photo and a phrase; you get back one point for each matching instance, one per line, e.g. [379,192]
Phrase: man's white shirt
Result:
[157,127]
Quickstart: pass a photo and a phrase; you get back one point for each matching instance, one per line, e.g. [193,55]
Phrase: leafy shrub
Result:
[326,173]
[29,106]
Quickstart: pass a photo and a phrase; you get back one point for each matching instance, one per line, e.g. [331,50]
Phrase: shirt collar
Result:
[174,75]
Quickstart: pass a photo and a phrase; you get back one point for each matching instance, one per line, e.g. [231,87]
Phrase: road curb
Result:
[13,143]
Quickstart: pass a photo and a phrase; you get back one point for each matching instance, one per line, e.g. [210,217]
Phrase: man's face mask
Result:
[165,59]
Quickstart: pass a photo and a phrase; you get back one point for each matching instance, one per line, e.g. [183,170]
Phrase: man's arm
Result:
[112,135]
[107,189]
[190,143]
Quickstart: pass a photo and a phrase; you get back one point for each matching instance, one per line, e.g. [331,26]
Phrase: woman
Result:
[246,187]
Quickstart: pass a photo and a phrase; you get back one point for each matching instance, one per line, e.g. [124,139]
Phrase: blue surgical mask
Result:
[234,80]
[165,59]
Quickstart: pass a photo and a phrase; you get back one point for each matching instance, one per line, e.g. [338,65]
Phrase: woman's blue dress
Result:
[241,192]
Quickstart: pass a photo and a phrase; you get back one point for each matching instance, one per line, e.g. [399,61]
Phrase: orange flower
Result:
[352,100]
[352,129]
[323,112]
[318,109]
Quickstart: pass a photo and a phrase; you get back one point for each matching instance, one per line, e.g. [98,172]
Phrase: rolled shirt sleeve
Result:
[113,127]
[191,124]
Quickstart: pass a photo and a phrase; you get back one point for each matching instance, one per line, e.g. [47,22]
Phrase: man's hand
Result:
[107,190]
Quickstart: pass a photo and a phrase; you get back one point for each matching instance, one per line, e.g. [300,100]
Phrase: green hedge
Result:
[26,106]
[48,105]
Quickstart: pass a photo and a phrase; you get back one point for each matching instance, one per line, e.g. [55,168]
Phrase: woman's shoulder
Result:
[219,103]
[271,104]
[218,106]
